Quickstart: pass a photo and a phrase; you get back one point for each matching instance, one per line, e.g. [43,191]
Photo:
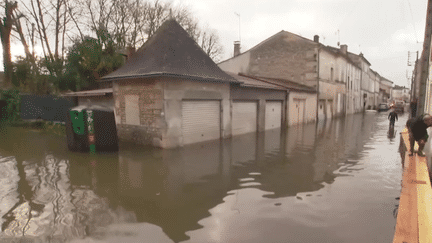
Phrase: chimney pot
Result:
[316,38]
[236,48]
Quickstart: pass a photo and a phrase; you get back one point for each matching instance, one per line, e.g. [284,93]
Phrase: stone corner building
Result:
[170,93]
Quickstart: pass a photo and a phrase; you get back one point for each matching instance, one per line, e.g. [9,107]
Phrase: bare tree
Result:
[18,28]
[5,34]
[210,44]
[51,20]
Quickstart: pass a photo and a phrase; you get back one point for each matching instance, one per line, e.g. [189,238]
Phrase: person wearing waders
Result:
[392,117]
[417,128]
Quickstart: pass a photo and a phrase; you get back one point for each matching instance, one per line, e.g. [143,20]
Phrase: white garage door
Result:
[298,111]
[200,121]
[273,114]
[244,117]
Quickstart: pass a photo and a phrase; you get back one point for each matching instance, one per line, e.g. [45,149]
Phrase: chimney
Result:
[344,49]
[236,48]
[316,38]
[130,51]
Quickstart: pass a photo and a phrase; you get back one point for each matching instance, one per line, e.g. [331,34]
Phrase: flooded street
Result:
[329,182]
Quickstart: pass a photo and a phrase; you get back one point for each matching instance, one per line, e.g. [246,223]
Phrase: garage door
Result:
[298,112]
[200,121]
[244,117]
[273,114]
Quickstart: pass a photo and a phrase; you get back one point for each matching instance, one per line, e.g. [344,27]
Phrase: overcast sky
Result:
[383,30]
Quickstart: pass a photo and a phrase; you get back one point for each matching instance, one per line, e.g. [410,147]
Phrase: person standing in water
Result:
[393,116]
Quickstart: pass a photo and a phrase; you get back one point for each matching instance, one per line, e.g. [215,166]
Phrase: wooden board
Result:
[424,197]
[407,218]
[414,220]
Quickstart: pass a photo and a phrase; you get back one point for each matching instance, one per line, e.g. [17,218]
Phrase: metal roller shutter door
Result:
[200,121]
[273,115]
[244,117]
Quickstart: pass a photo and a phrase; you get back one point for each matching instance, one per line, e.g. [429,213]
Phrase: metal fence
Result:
[46,107]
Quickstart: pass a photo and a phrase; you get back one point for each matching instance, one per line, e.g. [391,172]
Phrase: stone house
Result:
[385,90]
[349,73]
[170,93]
[366,85]
[375,80]
[288,56]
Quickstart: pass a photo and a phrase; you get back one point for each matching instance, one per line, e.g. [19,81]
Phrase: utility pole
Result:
[408,62]
[424,61]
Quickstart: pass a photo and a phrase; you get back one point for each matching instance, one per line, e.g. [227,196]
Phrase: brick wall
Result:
[150,109]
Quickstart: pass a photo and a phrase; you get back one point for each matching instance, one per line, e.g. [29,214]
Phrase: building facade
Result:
[385,91]
[343,81]
[401,93]
[300,100]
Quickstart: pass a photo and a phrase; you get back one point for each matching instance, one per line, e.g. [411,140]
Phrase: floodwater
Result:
[336,181]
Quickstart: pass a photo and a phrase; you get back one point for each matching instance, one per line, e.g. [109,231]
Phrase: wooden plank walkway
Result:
[414,219]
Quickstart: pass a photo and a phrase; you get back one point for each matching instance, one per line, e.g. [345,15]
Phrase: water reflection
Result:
[391,133]
[50,193]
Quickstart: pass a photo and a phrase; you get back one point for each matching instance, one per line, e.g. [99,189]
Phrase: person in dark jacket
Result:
[392,117]
[417,128]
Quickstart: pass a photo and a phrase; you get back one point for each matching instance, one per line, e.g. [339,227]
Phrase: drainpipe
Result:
[318,86]
[286,108]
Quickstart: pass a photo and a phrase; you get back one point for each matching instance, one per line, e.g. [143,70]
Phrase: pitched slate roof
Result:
[288,84]
[170,52]
[255,83]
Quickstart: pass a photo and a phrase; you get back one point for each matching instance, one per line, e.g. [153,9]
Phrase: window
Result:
[331,74]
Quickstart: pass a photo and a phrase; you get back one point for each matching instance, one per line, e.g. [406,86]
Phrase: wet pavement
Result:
[329,182]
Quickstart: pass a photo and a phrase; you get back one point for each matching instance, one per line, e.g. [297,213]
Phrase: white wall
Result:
[238,64]
[310,106]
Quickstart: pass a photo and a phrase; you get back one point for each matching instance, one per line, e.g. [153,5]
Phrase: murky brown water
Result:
[332,182]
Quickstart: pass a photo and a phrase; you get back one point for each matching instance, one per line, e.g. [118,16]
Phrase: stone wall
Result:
[150,108]
[285,56]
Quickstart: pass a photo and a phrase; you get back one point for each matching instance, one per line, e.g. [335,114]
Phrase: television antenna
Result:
[238,15]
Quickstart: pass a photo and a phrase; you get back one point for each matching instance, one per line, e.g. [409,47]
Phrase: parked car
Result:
[383,107]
